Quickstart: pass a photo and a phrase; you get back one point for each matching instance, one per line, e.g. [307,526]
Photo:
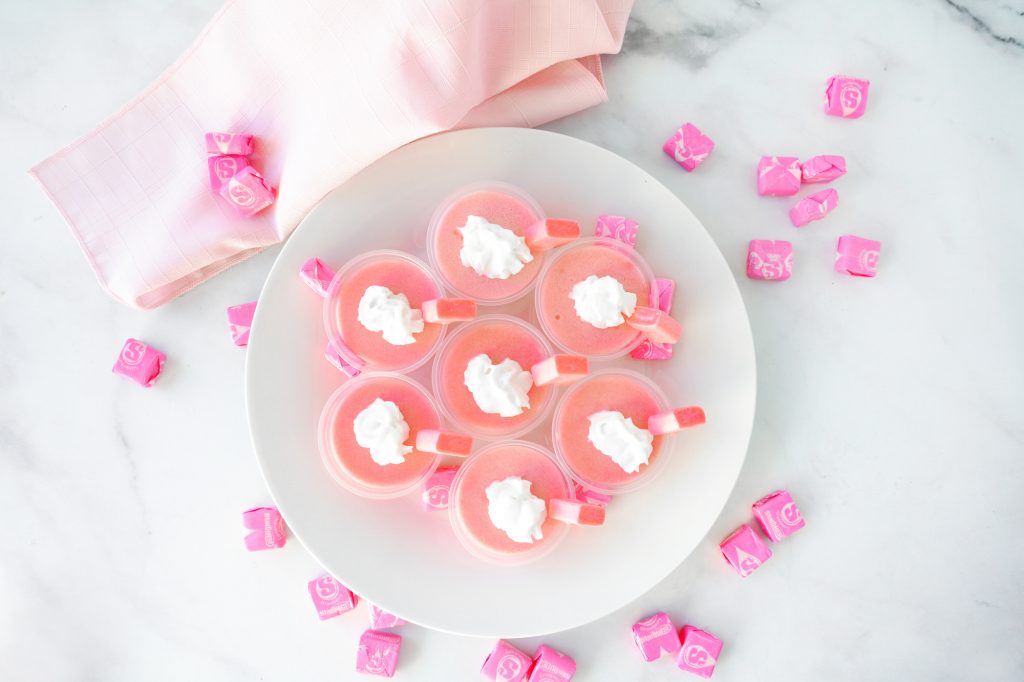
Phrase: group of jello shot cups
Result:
[448,302]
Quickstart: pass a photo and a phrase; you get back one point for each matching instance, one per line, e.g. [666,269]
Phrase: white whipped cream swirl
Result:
[382,429]
[602,302]
[619,438]
[515,510]
[491,250]
[502,389]
[382,310]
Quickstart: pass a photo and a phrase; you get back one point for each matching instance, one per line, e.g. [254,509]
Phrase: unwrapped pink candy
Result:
[139,362]
[228,143]
[688,146]
[267,528]
[378,653]
[649,350]
[846,97]
[330,597]
[813,207]
[771,260]
[239,322]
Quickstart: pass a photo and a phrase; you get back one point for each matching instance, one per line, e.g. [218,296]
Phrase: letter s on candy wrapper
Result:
[139,363]
[506,664]
[247,192]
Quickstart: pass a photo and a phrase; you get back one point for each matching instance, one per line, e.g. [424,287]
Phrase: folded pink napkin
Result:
[327,87]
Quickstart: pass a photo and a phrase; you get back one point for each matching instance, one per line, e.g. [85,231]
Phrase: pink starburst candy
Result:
[699,651]
[239,321]
[745,551]
[778,515]
[443,442]
[247,192]
[223,168]
[617,227]
[846,97]
[550,665]
[675,420]
[857,256]
[551,232]
[575,512]
[655,635]
[649,350]
[778,176]
[559,369]
[317,275]
[585,494]
[813,207]
[445,310]
[228,143]
[506,663]
[267,528]
[688,146]
[139,362]
[330,597]
[822,169]
[656,325]
[771,260]
[343,362]
[378,653]
[379,618]
[437,488]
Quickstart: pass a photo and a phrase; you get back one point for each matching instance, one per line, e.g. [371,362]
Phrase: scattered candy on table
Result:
[769,260]
[344,365]
[139,362]
[778,515]
[575,512]
[822,169]
[267,528]
[239,322]
[778,176]
[857,256]
[380,618]
[617,227]
[330,597]
[688,146]
[551,232]
[699,652]
[813,207]
[247,192]
[437,488]
[846,97]
[506,663]
[228,143]
[650,350]
[589,496]
[550,665]
[223,168]
[378,653]
[317,275]
[745,551]
[656,635]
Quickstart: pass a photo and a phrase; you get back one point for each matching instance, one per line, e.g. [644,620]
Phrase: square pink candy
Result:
[379,618]
[857,256]
[688,146]
[699,652]
[247,192]
[506,664]
[239,321]
[317,275]
[778,515]
[656,635]
[770,260]
[651,350]
[139,362]
[822,169]
[745,551]
[228,143]
[378,653]
[617,227]
[330,597]
[436,488]
[267,528]
[223,168]
[550,665]
[778,176]
[343,364]
[846,97]
[813,207]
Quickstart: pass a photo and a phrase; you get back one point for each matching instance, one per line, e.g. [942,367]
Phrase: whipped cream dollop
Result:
[614,435]
[502,389]
[382,429]
[382,310]
[515,510]
[491,250]
[602,302]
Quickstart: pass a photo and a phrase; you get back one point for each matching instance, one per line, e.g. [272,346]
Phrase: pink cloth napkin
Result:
[327,87]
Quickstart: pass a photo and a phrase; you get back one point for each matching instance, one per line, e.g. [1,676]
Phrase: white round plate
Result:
[408,561]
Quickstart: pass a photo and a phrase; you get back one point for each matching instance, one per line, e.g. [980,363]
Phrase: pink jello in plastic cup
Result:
[499,337]
[498,203]
[619,390]
[402,274]
[349,463]
[573,263]
[468,500]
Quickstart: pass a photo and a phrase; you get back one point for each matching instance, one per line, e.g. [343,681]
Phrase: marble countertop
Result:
[891,407]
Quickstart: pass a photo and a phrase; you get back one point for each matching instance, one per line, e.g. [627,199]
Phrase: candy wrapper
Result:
[437,488]
[778,176]
[654,636]
[341,363]
[778,515]
[380,618]
[506,663]
[846,97]
[688,146]
[228,143]
[770,260]
[699,652]
[617,227]
[139,363]
[821,169]
[857,256]
[330,597]
[223,168]
[813,207]
[745,551]
[378,653]
[247,192]
[239,322]
[317,275]
[550,665]
[267,528]
[584,494]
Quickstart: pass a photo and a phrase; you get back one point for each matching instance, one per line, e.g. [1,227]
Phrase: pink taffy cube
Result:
[649,350]
[656,325]
[675,420]
[440,442]
[655,635]
[247,192]
[228,143]
[445,310]
[745,551]
[584,494]
[617,227]
[771,260]
[699,651]
[437,487]
[344,363]
[778,176]
[317,275]
[330,597]
[378,653]
[813,207]
[575,512]
[846,97]
[688,146]
[139,362]
[559,369]
[551,232]
[857,256]
[778,515]
[380,618]
[550,665]
[223,168]
[239,321]
[506,664]
[267,528]
[821,169]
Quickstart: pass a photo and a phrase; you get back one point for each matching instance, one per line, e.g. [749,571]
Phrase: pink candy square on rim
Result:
[745,551]
[778,515]
[267,528]
[846,97]
[378,653]
[769,260]
[656,635]
[506,663]
[857,256]
[239,322]
[822,169]
[317,275]
[330,597]
[228,143]
[778,176]
[379,618]
[437,487]
[650,350]
[139,362]
[550,665]
[617,227]
[699,651]
[688,146]
[813,207]
[247,192]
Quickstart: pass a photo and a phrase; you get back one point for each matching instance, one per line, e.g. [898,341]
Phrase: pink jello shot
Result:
[468,502]
[350,463]
[402,274]
[498,203]
[573,263]
[498,337]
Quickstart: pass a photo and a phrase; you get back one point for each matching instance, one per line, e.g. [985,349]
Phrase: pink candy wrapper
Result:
[343,364]
[382,619]
[617,227]
[770,260]
[267,528]
[655,635]
[778,515]
[330,597]
[550,665]
[688,146]
[239,321]
[247,192]
[228,143]
[506,664]
[584,494]
[649,350]
[139,362]
[778,176]
[857,256]
[317,275]
[745,551]
[813,207]
[378,653]
[699,652]
[846,97]
[821,169]
[223,168]
[437,488]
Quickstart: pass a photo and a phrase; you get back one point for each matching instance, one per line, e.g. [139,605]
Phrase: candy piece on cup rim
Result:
[698,652]
[378,653]
[778,515]
[506,663]
[656,325]
[813,207]
[379,618]
[223,168]
[228,143]
[559,369]
[437,488]
[341,363]
[575,512]
[769,260]
[778,176]
[267,528]
[617,227]
[846,97]
[247,192]
[822,169]
[675,420]
[551,232]
[655,635]
[688,146]
[551,665]
[445,310]
[317,275]
[745,551]
[857,256]
[330,597]
[443,443]
[139,363]
[585,494]
[649,350]
[239,322]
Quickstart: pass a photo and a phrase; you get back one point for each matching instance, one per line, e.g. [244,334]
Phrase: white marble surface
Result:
[890,407]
